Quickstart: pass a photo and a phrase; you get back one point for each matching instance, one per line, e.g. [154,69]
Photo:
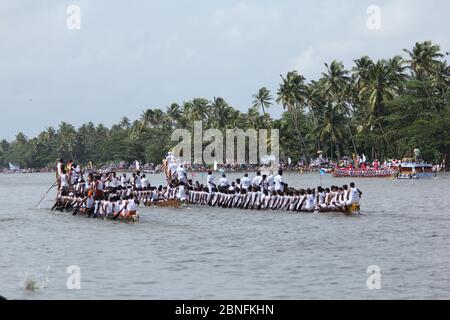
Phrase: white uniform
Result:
[64,181]
[271,182]
[145,183]
[257,181]
[137,182]
[246,182]
[278,183]
[309,203]
[223,182]
[354,196]
[181,193]
[211,182]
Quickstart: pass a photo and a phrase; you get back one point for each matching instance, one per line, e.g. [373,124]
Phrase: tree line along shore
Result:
[381,108]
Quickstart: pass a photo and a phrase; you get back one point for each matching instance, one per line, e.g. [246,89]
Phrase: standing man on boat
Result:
[223,183]
[271,182]
[246,182]
[257,180]
[210,180]
[59,168]
[353,195]
[278,180]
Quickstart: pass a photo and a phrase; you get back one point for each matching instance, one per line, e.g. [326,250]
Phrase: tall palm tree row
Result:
[382,108]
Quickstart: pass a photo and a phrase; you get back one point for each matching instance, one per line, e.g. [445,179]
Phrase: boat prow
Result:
[349,210]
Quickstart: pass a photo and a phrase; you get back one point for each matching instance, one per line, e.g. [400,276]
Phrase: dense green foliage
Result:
[383,109]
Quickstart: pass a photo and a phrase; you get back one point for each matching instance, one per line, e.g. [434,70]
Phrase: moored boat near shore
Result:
[414,170]
[368,173]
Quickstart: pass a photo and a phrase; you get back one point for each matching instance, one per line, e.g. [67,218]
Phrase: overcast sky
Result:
[133,55]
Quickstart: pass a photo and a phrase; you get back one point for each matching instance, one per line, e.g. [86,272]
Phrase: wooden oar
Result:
[118,213]
[51,187]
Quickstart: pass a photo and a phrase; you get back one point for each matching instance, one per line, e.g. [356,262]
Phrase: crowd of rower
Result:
[108,195]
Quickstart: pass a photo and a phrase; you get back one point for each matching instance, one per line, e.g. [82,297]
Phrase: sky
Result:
[130,56]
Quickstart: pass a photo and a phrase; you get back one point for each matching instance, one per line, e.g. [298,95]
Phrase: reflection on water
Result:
[212,253]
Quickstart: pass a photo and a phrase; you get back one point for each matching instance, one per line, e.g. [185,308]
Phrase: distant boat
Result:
[366,173]
[413,170]
[13,167]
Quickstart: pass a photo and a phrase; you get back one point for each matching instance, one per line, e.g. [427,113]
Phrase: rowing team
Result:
[308,200]
[115,206]
[123,202]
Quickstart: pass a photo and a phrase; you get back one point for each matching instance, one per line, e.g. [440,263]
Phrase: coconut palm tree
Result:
[361,71]
[262,99]
[292,96]
[219,113]
[125,123]
[175,113]
[423,58]
[382,85]
[440,80]
[196,110]
[146,118]
[336,82]
[331,126]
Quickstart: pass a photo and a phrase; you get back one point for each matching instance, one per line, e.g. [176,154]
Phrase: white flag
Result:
[137,165]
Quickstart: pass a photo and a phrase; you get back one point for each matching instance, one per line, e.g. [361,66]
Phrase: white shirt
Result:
[271,182]
[59,168]
[64,181]
[309,202]
[354,195]
[115,182]
[181,193]
[211,182]
[278,183]
[145,183]
[173,167]
[246,182]
[132,205]
[137,182]
[170,159]
[224,182]
[257,181]
[180,171]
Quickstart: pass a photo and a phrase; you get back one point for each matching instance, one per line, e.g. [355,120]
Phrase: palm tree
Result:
[382,85]
[220,113]
[175,113]
[330,128]
[440,80]
[336,82]
[361,71]
[125,123]
[423,58]
[196,110]
[67,137]
[262,99]
[292,96]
